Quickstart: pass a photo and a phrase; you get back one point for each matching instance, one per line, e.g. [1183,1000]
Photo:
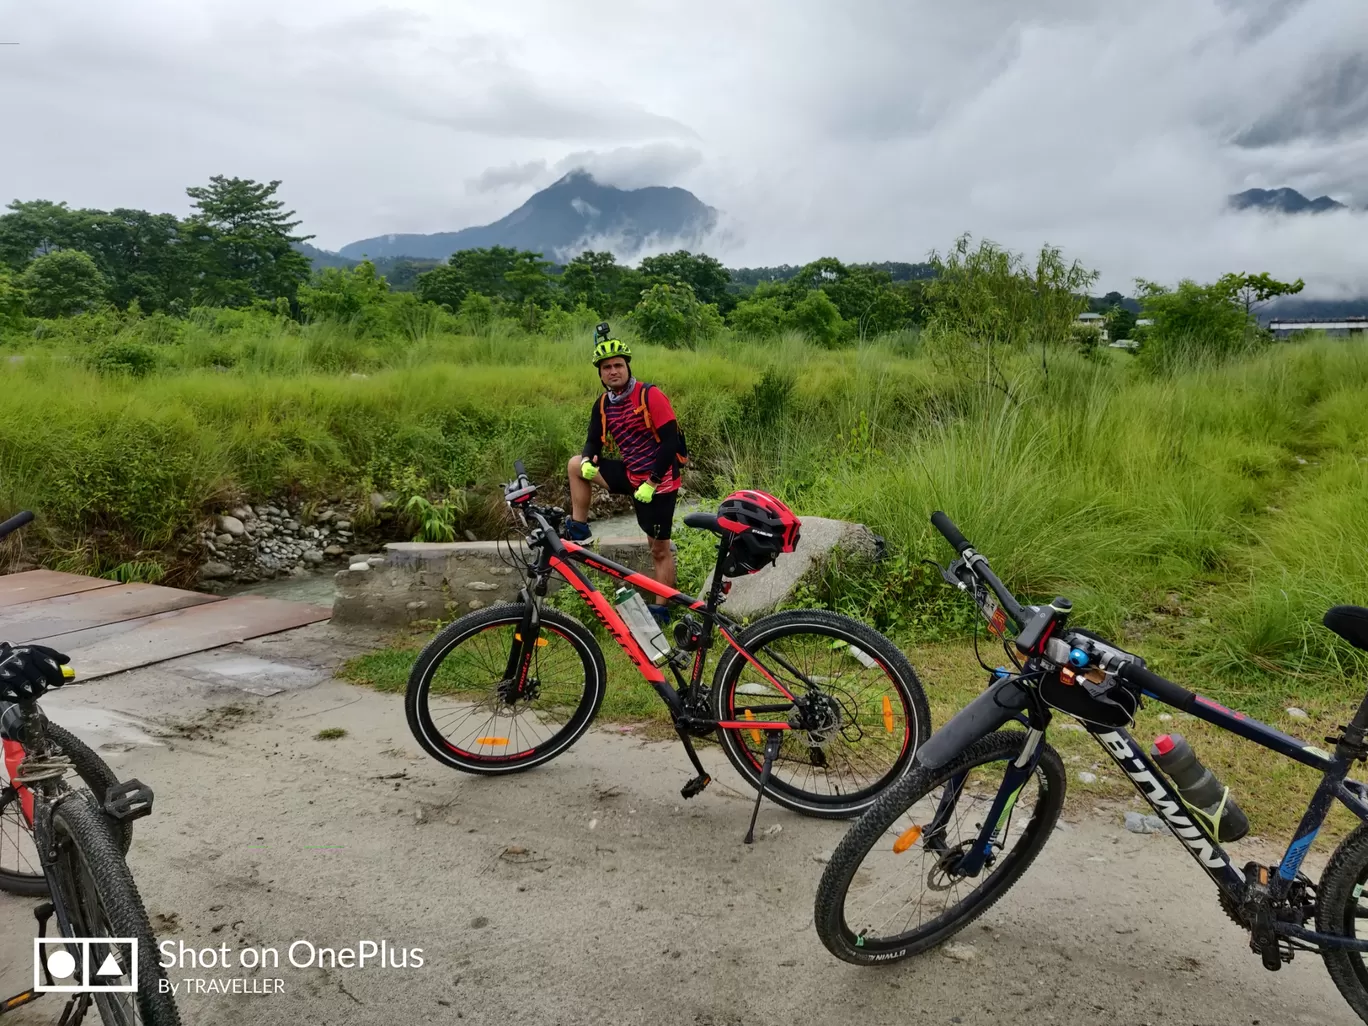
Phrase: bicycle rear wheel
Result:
[20,872]
[466,713]
[864,696]
[103,902]
[872,902]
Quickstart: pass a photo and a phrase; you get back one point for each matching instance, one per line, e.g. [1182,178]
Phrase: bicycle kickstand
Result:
[773,740]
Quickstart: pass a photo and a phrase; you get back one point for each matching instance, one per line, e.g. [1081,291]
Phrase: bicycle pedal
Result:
[130,800]
[695,786]
[10,1004]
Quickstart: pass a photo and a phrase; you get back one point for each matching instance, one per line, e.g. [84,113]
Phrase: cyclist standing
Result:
[641,422]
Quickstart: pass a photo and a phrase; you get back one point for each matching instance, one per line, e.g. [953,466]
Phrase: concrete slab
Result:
[111,648]
[64,614]
[32,585]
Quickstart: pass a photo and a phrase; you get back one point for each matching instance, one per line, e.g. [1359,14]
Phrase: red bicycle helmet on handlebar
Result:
[761,527]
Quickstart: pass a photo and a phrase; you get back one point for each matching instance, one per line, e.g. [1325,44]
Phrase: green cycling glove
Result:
[645,492]
[588,470]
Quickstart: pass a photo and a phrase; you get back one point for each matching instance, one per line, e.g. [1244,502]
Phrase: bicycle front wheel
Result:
[891,890]
[103,902]
[865,709]
[1340,907]
[20,872]
[466,712]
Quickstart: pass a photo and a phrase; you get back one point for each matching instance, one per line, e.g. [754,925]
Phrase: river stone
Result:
[231,525]
[213,571]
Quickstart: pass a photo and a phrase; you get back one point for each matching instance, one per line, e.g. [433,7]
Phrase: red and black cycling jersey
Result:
[644,457]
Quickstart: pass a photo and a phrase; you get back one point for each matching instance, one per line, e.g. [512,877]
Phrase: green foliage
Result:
[1120,323]
[62,283]
[13,299]
[762,317]
[672,316]
[705,275]
[818,318]
[241,242]
[1193,324]
[346,296]
[124,356]
[1253,290]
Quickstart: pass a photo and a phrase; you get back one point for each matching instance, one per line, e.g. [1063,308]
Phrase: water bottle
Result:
[642,624]
[1198,785]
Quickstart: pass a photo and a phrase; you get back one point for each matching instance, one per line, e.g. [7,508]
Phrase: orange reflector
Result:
[888,714]
[491,740]
[908,838]
[755,734]
[541,642]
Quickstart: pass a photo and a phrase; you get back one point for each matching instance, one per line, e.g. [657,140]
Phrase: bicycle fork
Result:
[1018,773]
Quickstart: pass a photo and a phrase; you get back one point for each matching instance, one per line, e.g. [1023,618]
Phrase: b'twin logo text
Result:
[1186,830]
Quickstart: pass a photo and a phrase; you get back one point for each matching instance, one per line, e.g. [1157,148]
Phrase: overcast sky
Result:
[867,130]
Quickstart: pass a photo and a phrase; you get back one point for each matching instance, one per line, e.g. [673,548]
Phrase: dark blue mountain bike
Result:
[948,840]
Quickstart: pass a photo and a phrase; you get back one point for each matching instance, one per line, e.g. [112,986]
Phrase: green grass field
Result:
[1206,518]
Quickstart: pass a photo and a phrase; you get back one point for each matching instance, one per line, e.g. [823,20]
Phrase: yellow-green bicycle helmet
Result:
[611,347]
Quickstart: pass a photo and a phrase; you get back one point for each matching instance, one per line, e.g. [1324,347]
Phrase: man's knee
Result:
[660,549]
[572,467]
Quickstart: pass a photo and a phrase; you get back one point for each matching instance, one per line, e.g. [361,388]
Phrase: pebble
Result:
[343,525]
[359,566]
[822,858]
[773,829]
[333,550]
[224,539]
[214,570]
[1085,777]
[1297,714]
[1165,718]
[313,556]
[1138,824]
[960,952]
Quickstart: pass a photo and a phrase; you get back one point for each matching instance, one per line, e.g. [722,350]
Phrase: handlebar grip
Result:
[15,522]
[946,526]
[1165,690]
[519,469]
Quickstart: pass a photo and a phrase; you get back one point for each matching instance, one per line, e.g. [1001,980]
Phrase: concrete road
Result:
[586,891]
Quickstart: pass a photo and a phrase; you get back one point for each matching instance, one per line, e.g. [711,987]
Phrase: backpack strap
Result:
[645,410]
[603,419]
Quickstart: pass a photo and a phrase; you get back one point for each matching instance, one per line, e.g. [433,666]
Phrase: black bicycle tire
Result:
[450,637]
[88,830]
[900,670]
[829,908]
[99,778]
[1335,899]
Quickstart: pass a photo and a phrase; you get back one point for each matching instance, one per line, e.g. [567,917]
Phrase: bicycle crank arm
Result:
[19,1000]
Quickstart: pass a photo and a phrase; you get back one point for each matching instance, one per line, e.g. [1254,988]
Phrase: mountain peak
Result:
[1283,201]
[574,213]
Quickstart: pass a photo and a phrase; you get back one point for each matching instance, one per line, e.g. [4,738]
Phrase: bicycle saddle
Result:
[706,521]
[1350,623]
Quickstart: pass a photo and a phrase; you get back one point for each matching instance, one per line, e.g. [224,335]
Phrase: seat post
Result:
[715,590]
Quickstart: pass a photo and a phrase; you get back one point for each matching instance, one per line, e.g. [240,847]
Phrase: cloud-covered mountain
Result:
[573,214]
[1283,201]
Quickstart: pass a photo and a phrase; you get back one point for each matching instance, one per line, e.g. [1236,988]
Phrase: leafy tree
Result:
[1253,290]
[445,286]
[579,286]
[527,281]
[817,317]
[671,315]
[36,228]
[705,275]
[62,283]
[343,295]
[1192,322]
[244,243]
[1120,323]
[758,317]
[12,300]
[616,288]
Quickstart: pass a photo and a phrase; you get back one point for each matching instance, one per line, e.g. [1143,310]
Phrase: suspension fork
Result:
[1018,773]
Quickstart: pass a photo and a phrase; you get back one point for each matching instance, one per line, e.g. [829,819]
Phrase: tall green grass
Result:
[1213,512]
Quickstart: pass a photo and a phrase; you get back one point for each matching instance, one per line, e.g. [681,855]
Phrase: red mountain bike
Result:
[815,710]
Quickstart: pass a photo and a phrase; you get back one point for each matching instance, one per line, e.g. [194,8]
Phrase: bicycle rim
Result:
[477,715]
[867,723]
[899,892]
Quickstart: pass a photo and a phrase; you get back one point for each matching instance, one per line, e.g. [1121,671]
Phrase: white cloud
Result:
[1112,127]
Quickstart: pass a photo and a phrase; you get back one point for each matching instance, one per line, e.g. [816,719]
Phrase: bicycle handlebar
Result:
[15,522]
[978,565]
[1165,690]
[952,534]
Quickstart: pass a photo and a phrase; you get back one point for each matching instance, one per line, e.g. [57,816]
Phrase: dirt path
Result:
[588,891]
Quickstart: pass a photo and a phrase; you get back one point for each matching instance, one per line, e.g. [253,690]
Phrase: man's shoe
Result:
[576,530]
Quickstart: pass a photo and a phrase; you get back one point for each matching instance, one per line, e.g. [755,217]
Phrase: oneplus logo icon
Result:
[100,965]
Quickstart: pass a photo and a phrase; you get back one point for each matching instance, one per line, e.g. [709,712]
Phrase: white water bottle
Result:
[642,624]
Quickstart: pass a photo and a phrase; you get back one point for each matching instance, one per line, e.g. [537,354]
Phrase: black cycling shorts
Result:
[656,517]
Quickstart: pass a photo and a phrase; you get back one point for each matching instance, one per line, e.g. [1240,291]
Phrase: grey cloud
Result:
[494,178]
[633,167]
[1332,102]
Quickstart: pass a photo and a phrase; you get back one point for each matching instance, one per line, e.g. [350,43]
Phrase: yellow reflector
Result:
[68,673]
[541,642]
[888,714]
[908,838]
[755,734]
[491,740]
